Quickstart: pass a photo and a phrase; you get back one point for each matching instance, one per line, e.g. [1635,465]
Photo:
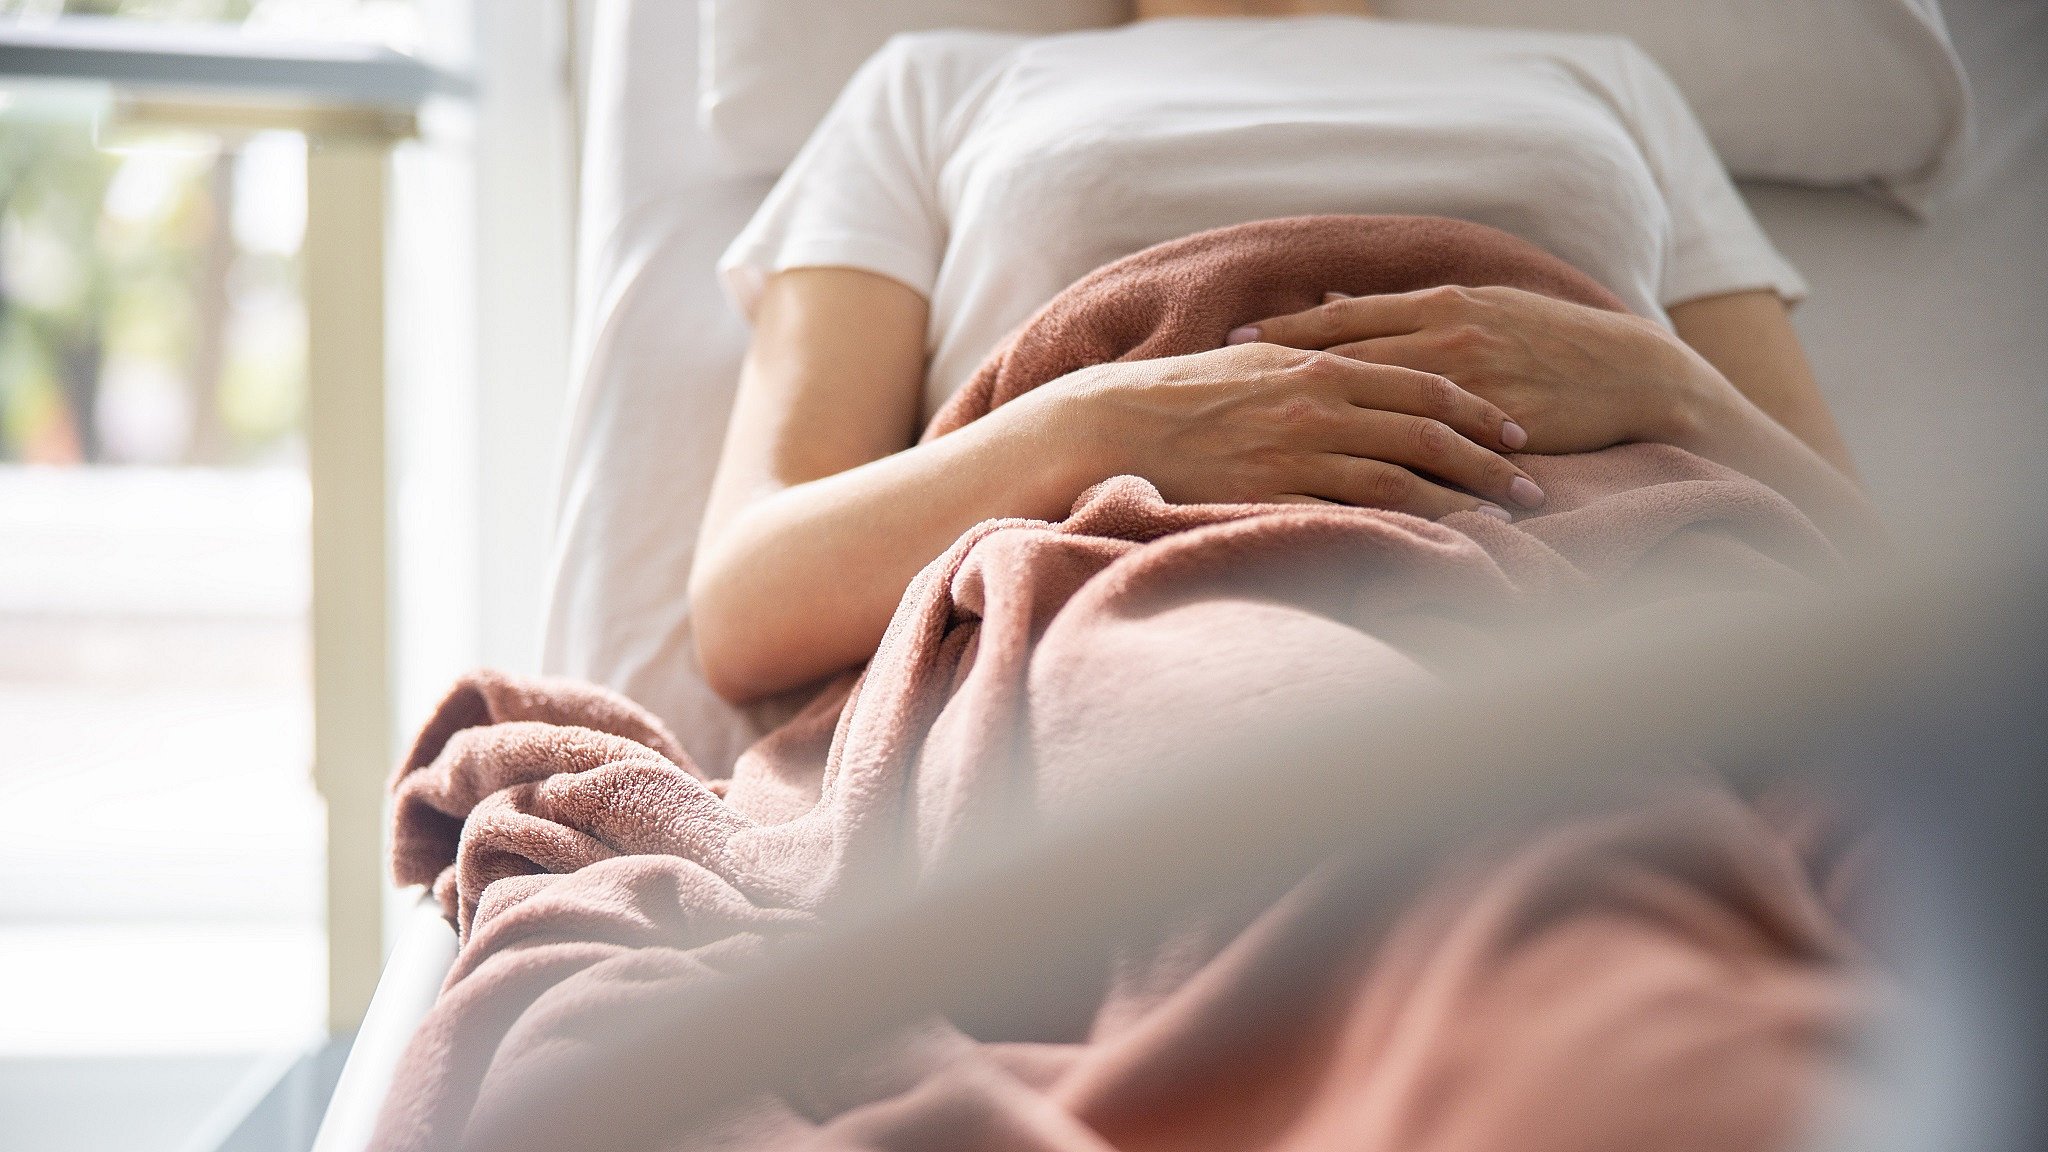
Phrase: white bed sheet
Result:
[1929,338]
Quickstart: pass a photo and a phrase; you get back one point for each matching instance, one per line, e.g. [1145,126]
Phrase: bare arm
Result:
[822,510]
[1748,337]
[1769,419]
[818,517]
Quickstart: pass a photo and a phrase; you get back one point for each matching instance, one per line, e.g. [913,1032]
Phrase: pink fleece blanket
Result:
[1670,978]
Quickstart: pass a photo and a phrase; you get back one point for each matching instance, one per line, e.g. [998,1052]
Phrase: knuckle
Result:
[1329,319]
[1383,485]
[1297,410]
[1439,397]
[1318,366]
[1463,337]
[1446,298]
[1434,439]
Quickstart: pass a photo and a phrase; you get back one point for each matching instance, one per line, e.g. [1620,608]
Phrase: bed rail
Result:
[1588,710]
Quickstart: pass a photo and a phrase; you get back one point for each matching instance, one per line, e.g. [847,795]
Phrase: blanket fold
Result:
[1671,977]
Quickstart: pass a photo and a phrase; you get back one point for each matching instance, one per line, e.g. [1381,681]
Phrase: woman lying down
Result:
[1117,389]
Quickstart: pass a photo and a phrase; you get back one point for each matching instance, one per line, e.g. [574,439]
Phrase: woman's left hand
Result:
[1574,378]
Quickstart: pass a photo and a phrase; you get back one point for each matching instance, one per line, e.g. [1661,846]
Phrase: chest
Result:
[1095,155]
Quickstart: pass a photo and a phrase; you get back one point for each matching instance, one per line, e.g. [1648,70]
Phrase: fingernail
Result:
[1512,435]
[1495,511]
[1526,493]
[1244,335]
[1328,297]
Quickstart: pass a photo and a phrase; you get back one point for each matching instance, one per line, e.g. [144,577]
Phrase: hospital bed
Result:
[1928,335]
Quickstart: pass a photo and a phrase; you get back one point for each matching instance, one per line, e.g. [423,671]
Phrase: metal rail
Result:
[220,59]
[1587,710]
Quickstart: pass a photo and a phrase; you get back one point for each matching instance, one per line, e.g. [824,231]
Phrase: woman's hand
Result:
[1259,423]
[1576,378]
[1580,379]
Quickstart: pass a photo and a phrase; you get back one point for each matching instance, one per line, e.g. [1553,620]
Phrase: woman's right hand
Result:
[1258,423]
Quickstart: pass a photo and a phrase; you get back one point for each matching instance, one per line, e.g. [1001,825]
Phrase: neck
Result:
[1149,9]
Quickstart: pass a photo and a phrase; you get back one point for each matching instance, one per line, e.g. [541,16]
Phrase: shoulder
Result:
[943,59]
[1619,64]
[931,82]
[1613,68]
[1609,57]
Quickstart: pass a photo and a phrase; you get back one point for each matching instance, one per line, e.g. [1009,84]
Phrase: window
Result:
[161,839]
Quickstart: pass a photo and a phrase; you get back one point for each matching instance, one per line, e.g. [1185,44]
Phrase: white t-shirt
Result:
[988,172]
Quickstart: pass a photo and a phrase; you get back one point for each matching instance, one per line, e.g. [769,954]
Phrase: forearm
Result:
[1749,339]
[804,582]
[1719,422]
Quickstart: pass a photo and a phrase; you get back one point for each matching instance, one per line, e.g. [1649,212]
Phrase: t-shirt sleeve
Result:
[863,191]
[1715,245]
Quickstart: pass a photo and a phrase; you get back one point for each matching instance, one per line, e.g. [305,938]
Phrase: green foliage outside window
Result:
[134,325]
[141,9]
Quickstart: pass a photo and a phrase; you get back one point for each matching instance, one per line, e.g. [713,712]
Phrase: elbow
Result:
[754,635]
[719,639]
[744,647]
[725,675]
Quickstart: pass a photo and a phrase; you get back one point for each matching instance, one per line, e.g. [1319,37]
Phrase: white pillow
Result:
[1809,91]
[768,70]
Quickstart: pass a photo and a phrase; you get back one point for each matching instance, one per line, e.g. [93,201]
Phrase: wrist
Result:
[1691,398]
[1060,434]
[1076,423]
